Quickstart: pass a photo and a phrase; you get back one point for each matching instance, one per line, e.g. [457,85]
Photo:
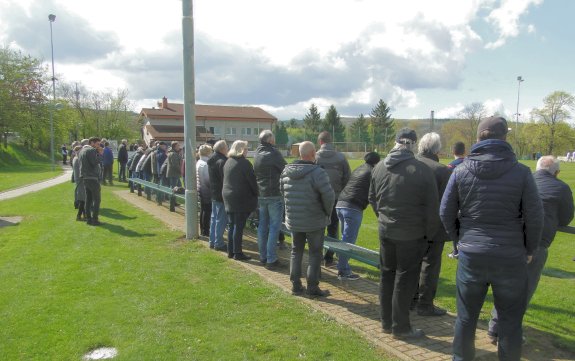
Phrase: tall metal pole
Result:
[52,18]
[431,121]
[519,80]
[189,120]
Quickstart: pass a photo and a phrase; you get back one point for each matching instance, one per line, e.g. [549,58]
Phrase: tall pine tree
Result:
[312,122]
[280,133]
[359,130]
[381,124]
[332,123]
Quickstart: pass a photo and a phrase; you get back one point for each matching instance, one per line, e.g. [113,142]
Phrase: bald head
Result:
[307,151]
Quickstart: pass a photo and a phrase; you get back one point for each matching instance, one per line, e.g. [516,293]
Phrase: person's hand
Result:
[529,259]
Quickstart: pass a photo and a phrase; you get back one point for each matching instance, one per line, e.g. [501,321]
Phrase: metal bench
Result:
[148,188]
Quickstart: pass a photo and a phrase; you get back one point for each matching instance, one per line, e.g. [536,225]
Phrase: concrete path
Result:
[356,304]
[34,187]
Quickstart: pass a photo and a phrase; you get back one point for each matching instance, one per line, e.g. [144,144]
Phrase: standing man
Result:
[338,171]
[491,206]
[558,211]
[219,219]
[428,149]
[174,170]
[161,156]
[90,173]
[403,194]
[459,155]
[64,152]
[268,165]
[309,201]
[122,160]
[108,164]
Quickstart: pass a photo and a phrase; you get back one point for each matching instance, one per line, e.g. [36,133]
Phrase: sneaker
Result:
[221,248]
[212,246]
[241,257]
[329,262]
[297,289]
[453,255]
[430,311]
[414,333]
[387,330]
[349,277]
[274,265]
[263,261]
[316,292]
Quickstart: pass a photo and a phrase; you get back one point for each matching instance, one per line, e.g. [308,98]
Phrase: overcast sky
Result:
[416,55]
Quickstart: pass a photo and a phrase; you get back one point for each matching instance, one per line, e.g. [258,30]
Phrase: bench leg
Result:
[139,190]
[172,203]
[148,193]
[131,187]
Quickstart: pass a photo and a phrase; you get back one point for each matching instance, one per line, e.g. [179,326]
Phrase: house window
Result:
[230,131]
[215,130]
[246,131]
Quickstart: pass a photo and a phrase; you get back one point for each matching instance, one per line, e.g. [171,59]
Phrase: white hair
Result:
[548,163]
[237,148]
[430,143]
[220,146]
[205,150]
[266,135]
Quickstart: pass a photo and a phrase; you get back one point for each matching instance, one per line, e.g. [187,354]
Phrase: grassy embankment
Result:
[20,166]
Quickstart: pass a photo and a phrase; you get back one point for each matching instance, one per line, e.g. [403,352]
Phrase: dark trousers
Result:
[92,198]
[81,209]
[236,223]
[205,215]
[400,264]
[122,175]
[429,275]
[508,280]
[315,244]
[332,231]
[108,171]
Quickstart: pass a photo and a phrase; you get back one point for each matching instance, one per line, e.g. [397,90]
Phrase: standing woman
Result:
[204,189]
[79,191]
[240,193]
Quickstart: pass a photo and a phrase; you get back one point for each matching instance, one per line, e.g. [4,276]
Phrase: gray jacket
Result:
[335,165]
[80,191]
[308,196]
[89,164]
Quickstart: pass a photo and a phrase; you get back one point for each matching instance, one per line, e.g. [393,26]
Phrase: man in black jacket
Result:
[219,219]
[558,211]
[352,201]
[403,194]
[491,206]
[268,166]
[89,174]
[122,160]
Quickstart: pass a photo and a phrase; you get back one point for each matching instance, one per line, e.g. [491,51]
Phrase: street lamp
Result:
[519,80]
[52,18]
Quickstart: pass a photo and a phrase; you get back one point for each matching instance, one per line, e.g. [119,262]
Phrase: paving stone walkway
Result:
[356,304]
[34,187]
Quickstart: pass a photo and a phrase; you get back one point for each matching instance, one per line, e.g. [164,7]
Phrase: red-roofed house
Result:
[212,122]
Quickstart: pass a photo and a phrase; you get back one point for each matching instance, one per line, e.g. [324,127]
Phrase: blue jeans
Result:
[350,220]
[508,280]
[218,222]
[271,211]
[237,223]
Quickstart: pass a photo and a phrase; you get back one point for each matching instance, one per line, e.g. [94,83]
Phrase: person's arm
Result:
[323,187]
[532,210]
[431,206]
[251,177]
[346,172]
[450,207]
[373,196]
[566,210]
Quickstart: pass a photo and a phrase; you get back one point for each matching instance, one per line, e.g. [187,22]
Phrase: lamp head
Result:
[519,79]
[52,18]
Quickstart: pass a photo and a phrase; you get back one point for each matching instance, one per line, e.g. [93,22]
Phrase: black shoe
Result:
[414,333]
[328,262]
[79,218]
[274,265]
[431,311]
[230,255]
[387,330]
[492,338]
[212,246]
[297,289]
[316,292]
[94,222]
[221,248]
[263,261]
[241,257]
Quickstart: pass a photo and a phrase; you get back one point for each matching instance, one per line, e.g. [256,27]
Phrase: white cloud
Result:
[505,19]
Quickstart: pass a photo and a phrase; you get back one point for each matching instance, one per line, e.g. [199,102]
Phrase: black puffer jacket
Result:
[216,172]
[240,190]
[403,194]
[356,192]
[557,204]
[268,165]
[491,203]
[122,154]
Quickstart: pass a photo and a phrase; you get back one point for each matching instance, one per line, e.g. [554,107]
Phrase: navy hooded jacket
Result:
[491,204]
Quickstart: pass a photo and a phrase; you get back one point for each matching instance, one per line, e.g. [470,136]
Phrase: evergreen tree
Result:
[382,127]
[359,130]
[332,123]
[312,122]
[280,133]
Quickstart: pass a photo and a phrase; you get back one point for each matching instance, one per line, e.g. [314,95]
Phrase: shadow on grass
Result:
[114,214]
[124,231]
[558,273]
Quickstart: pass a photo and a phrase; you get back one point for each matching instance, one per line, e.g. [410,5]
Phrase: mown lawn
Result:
[138,286]
[19,166]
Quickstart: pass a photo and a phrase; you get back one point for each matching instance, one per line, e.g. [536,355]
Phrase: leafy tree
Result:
[293,123]
[381,125]
[280,133]
[312,121]
[332,123]
[555,111]
[359,130]
[472,115]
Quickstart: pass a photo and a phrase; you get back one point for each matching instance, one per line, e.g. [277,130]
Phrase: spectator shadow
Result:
[124,231]
[558,273]
[114,214]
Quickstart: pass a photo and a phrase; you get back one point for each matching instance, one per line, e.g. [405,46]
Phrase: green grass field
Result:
[135,285]
[19,166]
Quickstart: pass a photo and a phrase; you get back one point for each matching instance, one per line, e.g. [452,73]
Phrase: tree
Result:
[280,133]
[293,123]
[381,124]
[359,130]
[472,115]
[312,121]
[555,111]
[332,123]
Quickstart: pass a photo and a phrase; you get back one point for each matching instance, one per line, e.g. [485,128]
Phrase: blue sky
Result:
[417,55]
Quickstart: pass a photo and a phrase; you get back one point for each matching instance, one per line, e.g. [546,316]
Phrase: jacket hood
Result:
[215,157]
[299,169]
[265,148]
[327,150]
[490,159]
[397,156]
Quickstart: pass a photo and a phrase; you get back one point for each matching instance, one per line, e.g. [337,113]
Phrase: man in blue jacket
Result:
[491,206]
